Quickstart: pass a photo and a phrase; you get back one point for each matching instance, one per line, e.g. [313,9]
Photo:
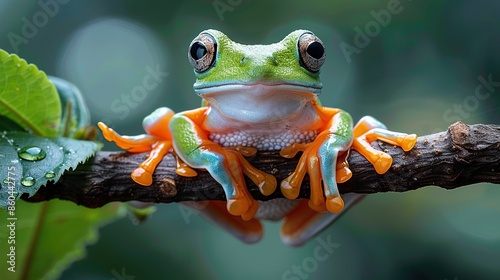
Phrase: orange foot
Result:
[367,130]
[309,163]
[158,141]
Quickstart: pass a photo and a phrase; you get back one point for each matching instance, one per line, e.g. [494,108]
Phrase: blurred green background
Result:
[417,72]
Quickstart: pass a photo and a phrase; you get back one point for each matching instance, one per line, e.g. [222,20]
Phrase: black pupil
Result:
[198,50]
[315,49]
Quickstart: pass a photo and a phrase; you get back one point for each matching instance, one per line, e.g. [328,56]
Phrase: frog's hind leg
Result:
[156,125]
[143,174]
[367,130]
[138,144]
[134,144]
[249,231]
[303,223]
[158,141]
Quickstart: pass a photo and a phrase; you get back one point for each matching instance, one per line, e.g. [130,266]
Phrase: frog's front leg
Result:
[157,140]
[319,160]
[367,130]
[226,165]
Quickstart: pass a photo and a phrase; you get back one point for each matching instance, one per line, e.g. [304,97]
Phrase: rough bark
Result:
[460,156]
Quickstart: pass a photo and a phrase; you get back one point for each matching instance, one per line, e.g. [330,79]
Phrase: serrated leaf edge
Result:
[38,74]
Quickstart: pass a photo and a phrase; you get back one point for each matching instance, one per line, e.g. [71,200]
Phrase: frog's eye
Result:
[311,52]
[202,51]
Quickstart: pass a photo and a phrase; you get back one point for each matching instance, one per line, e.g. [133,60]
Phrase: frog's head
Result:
[235,75]
[218,61]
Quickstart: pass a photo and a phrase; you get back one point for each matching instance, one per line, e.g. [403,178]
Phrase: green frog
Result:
[262,98]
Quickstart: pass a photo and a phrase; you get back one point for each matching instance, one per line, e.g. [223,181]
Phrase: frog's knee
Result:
[157,123]
[372,122]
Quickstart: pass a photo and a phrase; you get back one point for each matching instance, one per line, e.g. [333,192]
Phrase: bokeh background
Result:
[417,72]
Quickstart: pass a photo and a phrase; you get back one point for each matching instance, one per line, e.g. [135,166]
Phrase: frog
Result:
[262,98]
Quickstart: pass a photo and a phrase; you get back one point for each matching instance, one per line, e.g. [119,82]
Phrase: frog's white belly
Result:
[267,141]
[267,117]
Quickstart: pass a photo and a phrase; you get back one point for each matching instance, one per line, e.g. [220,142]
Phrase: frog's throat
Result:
[259,103]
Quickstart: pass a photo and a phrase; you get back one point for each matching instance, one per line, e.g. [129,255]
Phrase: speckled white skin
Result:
[263,141]
[276,209]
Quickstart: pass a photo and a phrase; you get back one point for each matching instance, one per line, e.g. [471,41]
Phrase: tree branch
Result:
[461,156]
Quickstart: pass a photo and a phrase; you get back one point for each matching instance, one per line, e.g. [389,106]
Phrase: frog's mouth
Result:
[259,103]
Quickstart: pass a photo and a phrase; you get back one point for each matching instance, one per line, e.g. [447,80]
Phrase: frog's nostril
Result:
[272,60]
[243,60]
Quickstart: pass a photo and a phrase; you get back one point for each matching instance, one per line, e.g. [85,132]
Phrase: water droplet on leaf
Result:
[31,153]
[28,181]
[50,175]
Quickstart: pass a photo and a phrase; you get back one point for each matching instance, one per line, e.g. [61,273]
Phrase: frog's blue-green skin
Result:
[264,97]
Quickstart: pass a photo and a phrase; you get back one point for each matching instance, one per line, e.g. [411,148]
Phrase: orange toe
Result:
[334,204]
[106,131]
[343,175]
[142,176]
[383,163]
[288,190]
[409,142]
[268,186]
[238,207]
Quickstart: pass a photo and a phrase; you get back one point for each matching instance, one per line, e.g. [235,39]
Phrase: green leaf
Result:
[28,97]
[49,236]
[76,115]
[22,171]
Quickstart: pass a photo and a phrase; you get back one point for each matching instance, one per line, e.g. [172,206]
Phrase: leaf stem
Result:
[34,241]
